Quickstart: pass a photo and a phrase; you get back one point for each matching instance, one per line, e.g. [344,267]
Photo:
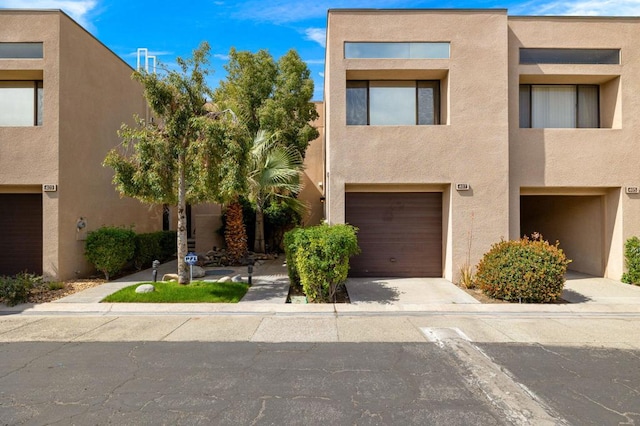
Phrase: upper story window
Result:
[380,102]
[559,106]
[21,50]
[384,50]
[570,56]
[21,103]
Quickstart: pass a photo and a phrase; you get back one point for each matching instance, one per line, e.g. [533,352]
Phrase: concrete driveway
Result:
[406,291]
[579,288]
[583,288]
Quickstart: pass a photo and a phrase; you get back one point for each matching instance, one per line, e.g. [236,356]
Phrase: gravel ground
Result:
[44,295]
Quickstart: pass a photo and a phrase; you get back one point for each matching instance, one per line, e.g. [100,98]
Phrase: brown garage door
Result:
[20,233]
[400,233]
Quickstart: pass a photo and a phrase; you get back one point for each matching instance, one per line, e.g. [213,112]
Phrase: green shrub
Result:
[109,249]
[168,244]
[526,270]
[632,260]
[292,240]
[15,290]
[154,246]
[55,285]
[147,249]
[321,258]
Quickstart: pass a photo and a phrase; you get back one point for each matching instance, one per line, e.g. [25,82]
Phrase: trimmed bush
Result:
[15,290]
[110,248]
[154,246]
[632,260]
[525,270]
[321,258]
[168,244]
[292,240]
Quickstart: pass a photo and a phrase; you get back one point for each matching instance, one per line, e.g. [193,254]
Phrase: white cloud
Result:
[321,74]
[79,10]
[580,8]
[314,61]
[319,35]
[221,56]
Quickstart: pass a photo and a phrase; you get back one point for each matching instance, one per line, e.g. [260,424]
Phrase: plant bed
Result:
[296,292]
[172,292]
[483,298]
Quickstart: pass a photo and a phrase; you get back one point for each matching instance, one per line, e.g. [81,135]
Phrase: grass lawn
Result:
[172,292]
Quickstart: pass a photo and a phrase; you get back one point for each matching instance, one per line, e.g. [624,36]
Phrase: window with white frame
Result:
[403,102]
[21,103]
[559,106]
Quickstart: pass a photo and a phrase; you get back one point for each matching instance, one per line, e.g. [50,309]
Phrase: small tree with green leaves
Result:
[190,154]
[274,174]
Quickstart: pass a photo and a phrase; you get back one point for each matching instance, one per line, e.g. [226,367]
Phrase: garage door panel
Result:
[21,233]
[400,233]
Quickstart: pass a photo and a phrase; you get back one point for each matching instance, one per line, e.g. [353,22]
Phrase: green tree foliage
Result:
[271,96]
[190,154]
[274,173]
[526,270]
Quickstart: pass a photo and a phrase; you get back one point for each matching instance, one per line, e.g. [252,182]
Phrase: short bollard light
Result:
[250,269]
[155,265]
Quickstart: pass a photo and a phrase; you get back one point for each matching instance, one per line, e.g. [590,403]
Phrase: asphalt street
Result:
[314,383]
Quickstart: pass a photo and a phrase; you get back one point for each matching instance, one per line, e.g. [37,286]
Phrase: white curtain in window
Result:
[588,106]
[553,106]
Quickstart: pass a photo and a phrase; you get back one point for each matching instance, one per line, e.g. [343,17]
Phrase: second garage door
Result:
[400,233]
[20,233]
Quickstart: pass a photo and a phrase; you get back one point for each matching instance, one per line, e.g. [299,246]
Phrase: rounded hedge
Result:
[525,270]
[110,248]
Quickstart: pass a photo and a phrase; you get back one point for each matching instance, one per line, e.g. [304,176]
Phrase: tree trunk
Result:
[258,244]
[235,234]
[183,270]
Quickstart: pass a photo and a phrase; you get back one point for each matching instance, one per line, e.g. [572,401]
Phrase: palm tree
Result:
[274,173]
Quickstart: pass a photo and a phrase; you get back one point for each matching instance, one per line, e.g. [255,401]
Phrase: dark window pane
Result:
[588,103]
[357,94]
[525,105]
[428,102]
[21,51]
[569,56]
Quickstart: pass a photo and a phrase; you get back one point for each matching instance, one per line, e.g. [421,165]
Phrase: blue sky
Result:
[174,28]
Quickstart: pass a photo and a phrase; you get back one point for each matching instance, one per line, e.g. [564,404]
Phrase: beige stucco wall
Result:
[29,155]
[97,95]
[472,147]
[88,93]
[313,175]
[571,161]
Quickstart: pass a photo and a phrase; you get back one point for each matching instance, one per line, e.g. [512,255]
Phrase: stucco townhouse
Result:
[448,130]
[63,96]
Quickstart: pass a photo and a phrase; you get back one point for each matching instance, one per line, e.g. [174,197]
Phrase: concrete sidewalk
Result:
[587,295]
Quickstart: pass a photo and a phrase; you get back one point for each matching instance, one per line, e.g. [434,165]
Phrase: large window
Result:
[391,50]
[398,103]
[559,105]
[21,103]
